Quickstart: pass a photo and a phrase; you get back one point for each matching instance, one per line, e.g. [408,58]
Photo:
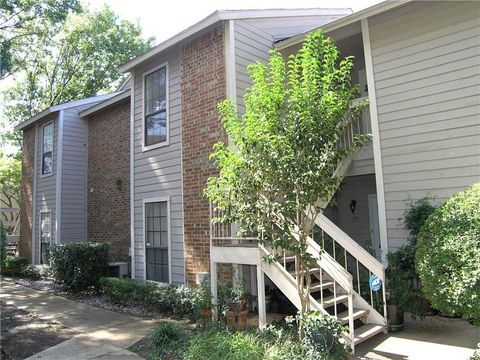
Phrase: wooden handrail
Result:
[351,246]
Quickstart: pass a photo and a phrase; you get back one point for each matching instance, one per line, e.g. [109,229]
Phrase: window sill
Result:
[46,175]
[154,146]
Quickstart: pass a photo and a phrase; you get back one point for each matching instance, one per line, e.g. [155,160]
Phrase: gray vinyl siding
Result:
[74,169]
[251,45]
[45,186]
[158,172]
[426,65]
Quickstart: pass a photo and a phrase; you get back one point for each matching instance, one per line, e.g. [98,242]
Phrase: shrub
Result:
[214,344]
[79,265]
[14,265]
[403,285]
[476,353]
[164,334]
[322,337]
[3,243]
[129,291]
[448,253]
[31,272]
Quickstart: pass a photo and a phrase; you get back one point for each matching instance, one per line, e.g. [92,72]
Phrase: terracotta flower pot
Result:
[206,314]
[237,319]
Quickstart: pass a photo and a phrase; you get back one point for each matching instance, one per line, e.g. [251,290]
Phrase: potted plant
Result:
[237,312]
[205,301]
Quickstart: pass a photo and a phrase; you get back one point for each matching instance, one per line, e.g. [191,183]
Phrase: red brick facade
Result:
[26,193]
[109,179]
[203,86]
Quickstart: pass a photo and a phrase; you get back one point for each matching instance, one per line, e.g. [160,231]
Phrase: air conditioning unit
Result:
[118,269]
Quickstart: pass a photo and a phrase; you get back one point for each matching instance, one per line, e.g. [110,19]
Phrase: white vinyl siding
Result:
[427,79]
[158,171]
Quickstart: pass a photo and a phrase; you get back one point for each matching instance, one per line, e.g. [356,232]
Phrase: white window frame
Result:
[52,240]
[167,108]
[169,238]
[41,149]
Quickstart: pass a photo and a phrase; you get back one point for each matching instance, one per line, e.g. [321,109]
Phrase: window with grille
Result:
[156,241]
[155,107]
[47,148]
[45,237]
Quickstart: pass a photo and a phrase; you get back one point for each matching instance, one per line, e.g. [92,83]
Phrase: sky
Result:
[163,19]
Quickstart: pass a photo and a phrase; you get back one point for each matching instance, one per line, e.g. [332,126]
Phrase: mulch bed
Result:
[24,334]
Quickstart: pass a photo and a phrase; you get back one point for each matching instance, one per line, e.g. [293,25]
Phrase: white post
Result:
[262,310]
[214,288]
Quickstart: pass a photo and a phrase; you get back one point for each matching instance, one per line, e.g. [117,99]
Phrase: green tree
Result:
[10,178]
[80,61]
[279,171]
[24,24]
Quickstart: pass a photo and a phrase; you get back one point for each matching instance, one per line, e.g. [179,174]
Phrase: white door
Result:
[374,226]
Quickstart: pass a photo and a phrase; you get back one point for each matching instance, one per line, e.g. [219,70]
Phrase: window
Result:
[155,107]
[45,237]
[156,241]
[47,148]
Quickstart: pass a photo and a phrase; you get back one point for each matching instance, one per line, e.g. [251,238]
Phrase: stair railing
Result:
[360,256]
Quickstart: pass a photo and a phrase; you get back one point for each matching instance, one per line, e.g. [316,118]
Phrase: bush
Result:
[3,243]
[31,272]
[403,284]
[79,265]
[180,301]
[129,291]
[448,253]
[14,265]
[217,344]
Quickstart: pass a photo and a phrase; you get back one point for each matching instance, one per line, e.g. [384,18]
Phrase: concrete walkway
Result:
[103,334]
[431,338]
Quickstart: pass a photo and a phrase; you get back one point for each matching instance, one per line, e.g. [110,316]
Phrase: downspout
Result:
[58,194]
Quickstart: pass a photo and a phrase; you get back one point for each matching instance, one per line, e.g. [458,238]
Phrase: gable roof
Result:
[220,15]
[64,106]
[344,21]
[125,94]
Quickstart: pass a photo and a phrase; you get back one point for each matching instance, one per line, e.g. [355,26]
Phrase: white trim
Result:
[167,107]
[85,183]
[220,15]
[231,81]
[58,195]
[64,106]
[34,192]
[154,200]
[44,211]
[97,107]
[54,128]
[377,150]
[344,21]
[132,178]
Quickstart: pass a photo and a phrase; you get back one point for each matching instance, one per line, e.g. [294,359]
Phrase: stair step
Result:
[357,314]
[366,332]
[319,287]
[331,300]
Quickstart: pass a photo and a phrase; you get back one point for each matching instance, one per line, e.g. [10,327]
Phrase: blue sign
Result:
[375,283]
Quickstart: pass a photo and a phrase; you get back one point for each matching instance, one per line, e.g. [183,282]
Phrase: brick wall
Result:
[203,86]
[109,179]
[26,194]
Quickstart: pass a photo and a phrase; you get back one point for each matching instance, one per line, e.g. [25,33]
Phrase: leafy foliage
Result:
[79,265]
[448,253]
[284,150]
[11,175]
[3,243]
[180,301]
[24,24]
[403,284]
[14,265]
[79,61]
